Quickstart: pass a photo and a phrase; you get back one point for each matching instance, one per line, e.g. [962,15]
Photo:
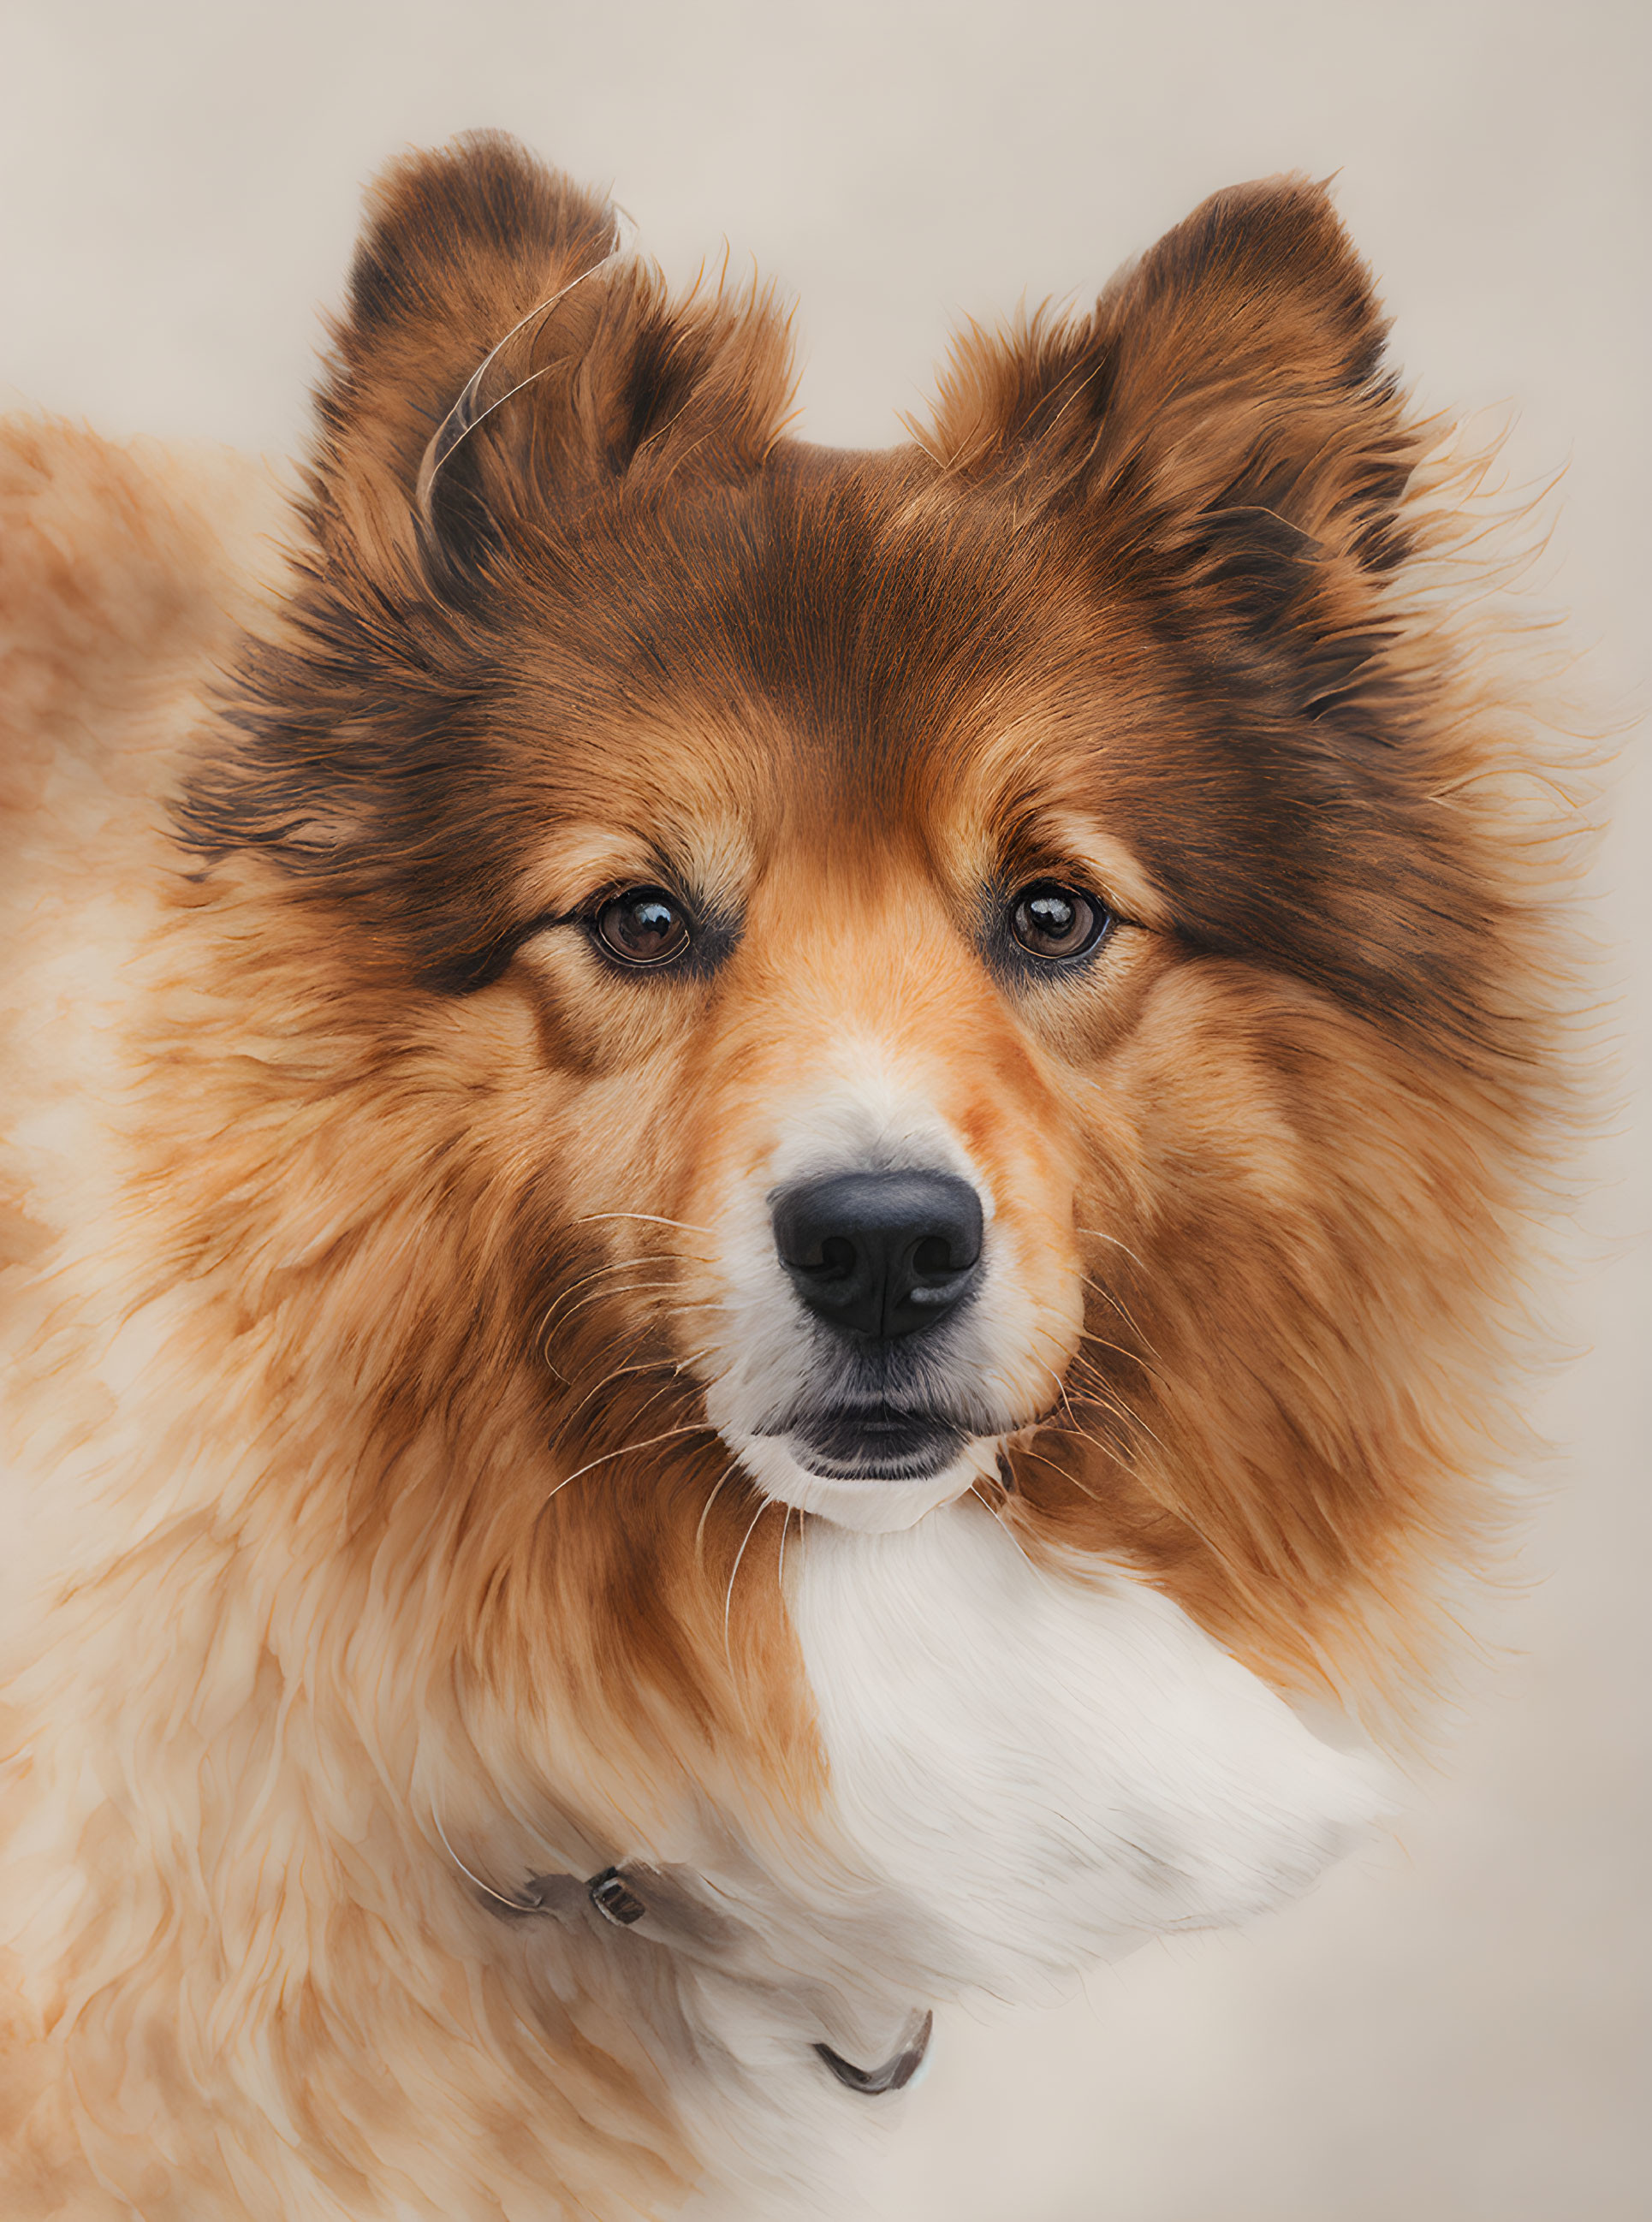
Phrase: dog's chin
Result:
[873,1491]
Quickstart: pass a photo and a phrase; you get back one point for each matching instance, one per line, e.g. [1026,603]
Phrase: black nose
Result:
[881,1253]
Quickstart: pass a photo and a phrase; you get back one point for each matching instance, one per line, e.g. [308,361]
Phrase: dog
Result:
[756,1200]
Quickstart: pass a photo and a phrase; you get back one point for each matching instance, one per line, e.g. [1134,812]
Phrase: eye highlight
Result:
[1051,921]
[643,927]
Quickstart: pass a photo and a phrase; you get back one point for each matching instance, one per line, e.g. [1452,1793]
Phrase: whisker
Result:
[648,1403]
[516,1904]
[1108,1450]
[1101,1392]
[629,1336]
[1124,1313]
[1096,1234]
[1107,1394]
[1039,1459]
[597,1296]
[619,1264]
[1130,1357]
[465,415]
[1084,1361]
[728,1600]
[556,1316]
[669,1378]
[695,1427]
[609,1265]
[653,1218]
[1124,1453]
[618,1373]
[1119,1411]
[1056,1338]
[699,1532]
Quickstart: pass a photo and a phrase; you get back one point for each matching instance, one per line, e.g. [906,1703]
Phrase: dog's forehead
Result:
[823,647]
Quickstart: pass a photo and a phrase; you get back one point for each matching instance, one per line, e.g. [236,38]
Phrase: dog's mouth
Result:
[875,1442]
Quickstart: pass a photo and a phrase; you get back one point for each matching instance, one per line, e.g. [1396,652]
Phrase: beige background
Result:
[1456,2029]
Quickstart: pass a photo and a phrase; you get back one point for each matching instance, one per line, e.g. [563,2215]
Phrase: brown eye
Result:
[1049,921]
[644,926]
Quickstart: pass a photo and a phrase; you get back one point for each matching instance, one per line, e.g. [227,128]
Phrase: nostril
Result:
[837,1257]
[932,1259]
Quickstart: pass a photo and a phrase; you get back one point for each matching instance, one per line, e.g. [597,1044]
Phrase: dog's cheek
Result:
[1205,1238]
[580,1085]
[594,1020]
[1285,1278]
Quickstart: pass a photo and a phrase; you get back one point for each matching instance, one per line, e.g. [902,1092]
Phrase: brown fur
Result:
[408,1201]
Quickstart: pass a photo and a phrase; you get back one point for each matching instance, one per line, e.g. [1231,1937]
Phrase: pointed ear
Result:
[476,258]
[1224,405]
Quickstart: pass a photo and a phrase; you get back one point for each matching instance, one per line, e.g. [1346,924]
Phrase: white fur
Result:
[1030,1771]
[1054,1764]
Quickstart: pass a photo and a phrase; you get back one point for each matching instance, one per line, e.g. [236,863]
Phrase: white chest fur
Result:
[1053,1766]
[1030,1771]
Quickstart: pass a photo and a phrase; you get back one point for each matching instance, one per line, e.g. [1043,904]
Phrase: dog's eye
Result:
[1049,921]
[644,926]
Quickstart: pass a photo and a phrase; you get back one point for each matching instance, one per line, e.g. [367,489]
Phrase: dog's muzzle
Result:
[880,1259]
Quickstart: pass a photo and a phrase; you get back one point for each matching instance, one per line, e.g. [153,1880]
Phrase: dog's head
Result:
[851,978]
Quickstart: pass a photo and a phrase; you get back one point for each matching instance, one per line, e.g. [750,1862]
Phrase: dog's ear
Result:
[1223,410]
[477,259]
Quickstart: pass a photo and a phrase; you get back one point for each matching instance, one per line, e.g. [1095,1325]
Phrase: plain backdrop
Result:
[1454,2029]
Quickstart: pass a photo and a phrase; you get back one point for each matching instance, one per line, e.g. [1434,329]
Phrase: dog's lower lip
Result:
[878,1444]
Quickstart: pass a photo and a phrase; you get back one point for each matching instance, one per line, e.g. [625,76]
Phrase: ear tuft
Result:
[470,227]
[1002,397]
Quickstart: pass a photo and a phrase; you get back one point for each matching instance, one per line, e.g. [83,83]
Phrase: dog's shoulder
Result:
[125,569]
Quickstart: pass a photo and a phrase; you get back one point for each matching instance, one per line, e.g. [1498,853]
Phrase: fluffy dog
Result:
[743,1184]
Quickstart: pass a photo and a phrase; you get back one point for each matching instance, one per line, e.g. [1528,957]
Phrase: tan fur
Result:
[359,1326]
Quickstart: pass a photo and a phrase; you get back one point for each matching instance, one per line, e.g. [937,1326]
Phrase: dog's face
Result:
[825,940]
[905,972]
